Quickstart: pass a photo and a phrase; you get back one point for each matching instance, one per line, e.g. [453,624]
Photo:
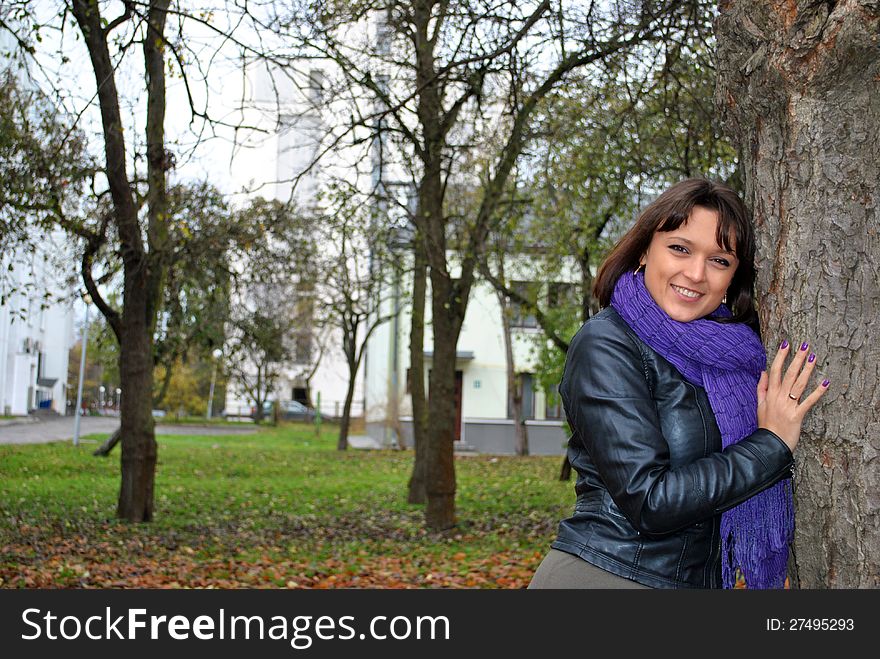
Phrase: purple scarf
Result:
[726,360]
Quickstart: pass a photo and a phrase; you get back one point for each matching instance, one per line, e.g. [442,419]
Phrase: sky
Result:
[214,79]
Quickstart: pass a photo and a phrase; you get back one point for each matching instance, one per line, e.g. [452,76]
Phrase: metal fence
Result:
[330,409]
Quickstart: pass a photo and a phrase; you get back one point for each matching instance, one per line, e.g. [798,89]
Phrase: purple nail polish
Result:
[804,345]
[812,357]
[783,345]
[825,383]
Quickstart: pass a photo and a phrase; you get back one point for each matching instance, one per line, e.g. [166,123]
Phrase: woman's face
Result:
[686,271]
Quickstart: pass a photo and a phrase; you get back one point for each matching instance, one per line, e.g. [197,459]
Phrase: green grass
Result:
[282,502]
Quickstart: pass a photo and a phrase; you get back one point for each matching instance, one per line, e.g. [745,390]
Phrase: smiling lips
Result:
[686,292]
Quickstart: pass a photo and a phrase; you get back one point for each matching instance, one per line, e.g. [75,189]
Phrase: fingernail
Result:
[783,345]
[812,357]
[825,383]
[804,345]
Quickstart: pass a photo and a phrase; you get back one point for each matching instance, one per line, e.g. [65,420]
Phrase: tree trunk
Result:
[589,303]
[345,423]
[514,388]
[104,449]
[258,396]
[589,307]
[447,312]
[134,328]
[166,384]
[798,92]
[139,448]
[447,307]
[416,485]
[565,469]
[440,471]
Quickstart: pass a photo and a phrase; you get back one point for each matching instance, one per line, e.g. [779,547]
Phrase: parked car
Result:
[288,410]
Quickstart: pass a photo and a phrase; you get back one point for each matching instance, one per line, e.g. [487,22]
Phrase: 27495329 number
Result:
[821,624]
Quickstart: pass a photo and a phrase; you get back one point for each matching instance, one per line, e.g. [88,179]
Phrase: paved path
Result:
[61,428]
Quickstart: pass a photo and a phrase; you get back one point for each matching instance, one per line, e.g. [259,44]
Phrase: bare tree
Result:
[798,91]
[258,344]
[516,300]
[273,274]
[353,287]
[514,384]
[131,223]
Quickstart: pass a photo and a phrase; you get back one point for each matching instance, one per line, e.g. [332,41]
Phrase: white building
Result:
[484,420]
[36,323]
[276,159]
[36,331]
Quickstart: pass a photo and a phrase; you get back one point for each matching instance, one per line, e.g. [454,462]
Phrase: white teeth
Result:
[686,292]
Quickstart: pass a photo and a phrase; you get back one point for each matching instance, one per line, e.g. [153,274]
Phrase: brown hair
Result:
[666,213]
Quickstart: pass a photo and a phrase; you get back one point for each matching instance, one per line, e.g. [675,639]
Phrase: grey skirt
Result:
[563,570]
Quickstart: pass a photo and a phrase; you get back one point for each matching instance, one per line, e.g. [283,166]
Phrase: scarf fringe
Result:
[759,551]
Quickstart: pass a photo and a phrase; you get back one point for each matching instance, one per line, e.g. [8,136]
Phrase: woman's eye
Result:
[723,262]
[678,248]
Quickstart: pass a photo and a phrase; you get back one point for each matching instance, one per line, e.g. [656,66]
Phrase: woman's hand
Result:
[780,408]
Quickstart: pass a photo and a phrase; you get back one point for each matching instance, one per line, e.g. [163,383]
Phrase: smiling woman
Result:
[683,445]
[686,271]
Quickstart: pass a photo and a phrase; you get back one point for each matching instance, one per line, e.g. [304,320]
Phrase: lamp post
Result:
[82,369]
[118,399]
[101,391]
[217,354]
[401,240]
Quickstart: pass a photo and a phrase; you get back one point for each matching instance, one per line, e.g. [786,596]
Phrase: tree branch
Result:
[524,30]
[119,20]
[112,316]
[513,147]
[515,297]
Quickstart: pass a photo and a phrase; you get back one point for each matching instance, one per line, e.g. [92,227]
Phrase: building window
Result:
[525,383]
[554,408]
[520,316]
[563,294]
[316,86]
[303,348]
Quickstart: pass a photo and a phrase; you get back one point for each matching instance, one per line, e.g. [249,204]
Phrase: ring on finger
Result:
[793,397]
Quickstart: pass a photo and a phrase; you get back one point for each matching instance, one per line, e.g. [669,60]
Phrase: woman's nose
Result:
[695,270]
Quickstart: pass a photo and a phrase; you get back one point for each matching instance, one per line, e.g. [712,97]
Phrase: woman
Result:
[683,444]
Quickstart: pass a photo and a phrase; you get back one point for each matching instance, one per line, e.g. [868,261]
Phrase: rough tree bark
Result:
[798,93]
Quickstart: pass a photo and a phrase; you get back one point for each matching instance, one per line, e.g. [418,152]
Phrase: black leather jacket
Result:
[652,478]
